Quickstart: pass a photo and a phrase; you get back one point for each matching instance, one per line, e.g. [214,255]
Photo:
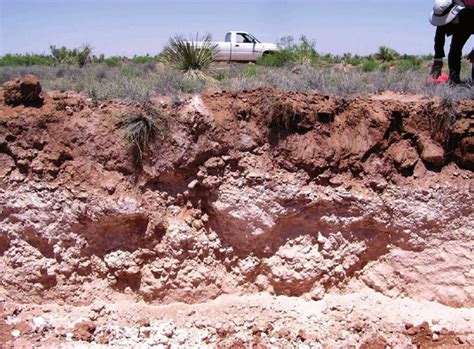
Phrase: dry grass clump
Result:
[141,128]
[344,82]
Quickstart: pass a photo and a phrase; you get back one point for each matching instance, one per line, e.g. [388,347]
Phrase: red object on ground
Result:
[443,78]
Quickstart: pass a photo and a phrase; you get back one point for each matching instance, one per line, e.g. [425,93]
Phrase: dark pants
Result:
[463,31]
[455,55]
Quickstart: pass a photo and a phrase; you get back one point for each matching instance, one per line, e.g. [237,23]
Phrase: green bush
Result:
[113,61]
[352,60]
[16,60]
[407,63]
[249,70]
[369,65]
[277,59]
[331,59]
[385,66]
[221,76]
[303,52]
[145,59]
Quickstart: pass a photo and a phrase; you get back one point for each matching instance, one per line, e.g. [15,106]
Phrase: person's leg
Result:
[454,57]
[470,57]
[440,38]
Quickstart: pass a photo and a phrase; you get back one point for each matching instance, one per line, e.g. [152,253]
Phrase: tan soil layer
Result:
[346,222]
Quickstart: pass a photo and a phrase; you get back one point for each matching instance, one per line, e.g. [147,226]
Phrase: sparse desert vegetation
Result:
[183,68]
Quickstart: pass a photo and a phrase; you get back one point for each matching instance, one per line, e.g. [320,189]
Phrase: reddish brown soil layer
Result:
[291,194]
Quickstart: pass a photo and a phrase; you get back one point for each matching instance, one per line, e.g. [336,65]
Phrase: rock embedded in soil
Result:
[84,331]
[431,153]
[404,155]
[25,91]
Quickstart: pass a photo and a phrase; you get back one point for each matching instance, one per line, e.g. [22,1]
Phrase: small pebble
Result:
[15,333]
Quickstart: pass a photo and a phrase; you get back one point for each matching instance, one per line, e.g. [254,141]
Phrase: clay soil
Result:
[255,219]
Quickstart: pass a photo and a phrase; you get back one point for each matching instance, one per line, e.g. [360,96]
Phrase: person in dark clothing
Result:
[451,18]
[462,32]
[440,39]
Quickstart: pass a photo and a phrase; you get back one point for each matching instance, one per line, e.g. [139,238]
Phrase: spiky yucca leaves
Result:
[140,129]
[387,54]
[193,57]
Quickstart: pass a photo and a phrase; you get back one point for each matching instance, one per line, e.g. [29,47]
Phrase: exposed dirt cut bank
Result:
[344,206]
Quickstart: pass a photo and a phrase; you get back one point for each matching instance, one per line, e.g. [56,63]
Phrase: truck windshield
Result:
[253,37]
[241,38]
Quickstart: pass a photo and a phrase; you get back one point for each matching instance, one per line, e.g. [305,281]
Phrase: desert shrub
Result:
[113,61]
[277,59]
[122,83]
[190,55]
[385,66]
[331,59]
[140,129]
[148,67]
[130,71]
[83,55]
[249,70]
[352,60]
[407,63]
[45,73]
[386,54]
[101,72]
[301,52]
[145,59]
[428,57]
[15,60]
[134,82]
[222,75]
[79,56]
[76,56]
[239,83]
[98,59]
[305,51]
[64,85]
[369,65]
[345,84]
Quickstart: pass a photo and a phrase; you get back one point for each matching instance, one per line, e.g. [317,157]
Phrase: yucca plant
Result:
[386,54]
[193,57]
[77,56]
[140,129]
[83,55]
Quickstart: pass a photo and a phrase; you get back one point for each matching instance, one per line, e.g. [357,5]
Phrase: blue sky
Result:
[127,27]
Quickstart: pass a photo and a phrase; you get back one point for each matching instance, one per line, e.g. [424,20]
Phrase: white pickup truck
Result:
[242,46]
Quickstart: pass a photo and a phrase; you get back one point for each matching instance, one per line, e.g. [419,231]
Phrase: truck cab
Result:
[243,46]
